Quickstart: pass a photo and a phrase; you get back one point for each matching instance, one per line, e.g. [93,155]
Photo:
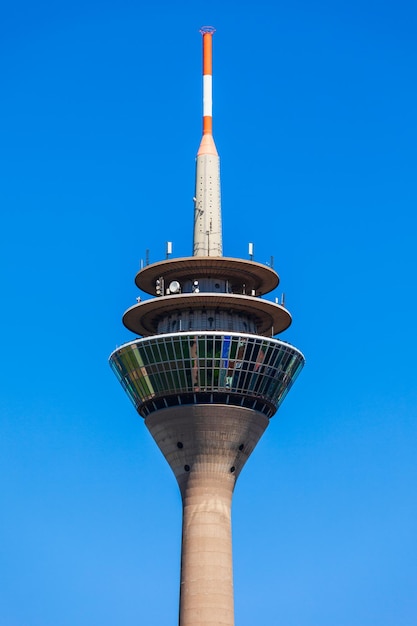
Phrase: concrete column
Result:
[206,447]
[206,592]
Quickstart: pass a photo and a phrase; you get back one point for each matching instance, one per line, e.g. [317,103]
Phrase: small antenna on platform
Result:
[250,251]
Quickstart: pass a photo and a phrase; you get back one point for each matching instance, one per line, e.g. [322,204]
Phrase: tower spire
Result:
[207,204]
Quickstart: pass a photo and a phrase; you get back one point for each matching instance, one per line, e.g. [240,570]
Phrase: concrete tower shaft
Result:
[206,453]
[206,374]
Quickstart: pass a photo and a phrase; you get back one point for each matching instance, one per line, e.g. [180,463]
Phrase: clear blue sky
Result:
[315,121]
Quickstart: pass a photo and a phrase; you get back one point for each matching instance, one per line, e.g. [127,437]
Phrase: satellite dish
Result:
[174,287]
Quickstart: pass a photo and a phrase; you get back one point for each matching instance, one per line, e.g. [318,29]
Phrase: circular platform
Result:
[255,276]
[270,318]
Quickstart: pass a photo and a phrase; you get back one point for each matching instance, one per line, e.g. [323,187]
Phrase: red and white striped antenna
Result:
[207,202]
[207,144]
[207,32]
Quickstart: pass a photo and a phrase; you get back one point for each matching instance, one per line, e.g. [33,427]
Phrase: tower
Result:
[206,375]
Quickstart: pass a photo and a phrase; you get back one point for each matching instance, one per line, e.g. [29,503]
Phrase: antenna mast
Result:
[207,203]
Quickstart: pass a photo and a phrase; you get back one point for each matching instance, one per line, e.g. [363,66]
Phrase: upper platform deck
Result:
[243,276]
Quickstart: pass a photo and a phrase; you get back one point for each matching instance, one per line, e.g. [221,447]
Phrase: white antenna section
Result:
[250,251]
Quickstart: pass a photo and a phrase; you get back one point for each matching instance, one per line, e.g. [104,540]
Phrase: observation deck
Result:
[206,368]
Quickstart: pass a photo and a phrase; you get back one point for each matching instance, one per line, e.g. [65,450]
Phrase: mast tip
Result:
[207,30]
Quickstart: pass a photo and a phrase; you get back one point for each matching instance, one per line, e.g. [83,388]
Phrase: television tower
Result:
[206,375]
